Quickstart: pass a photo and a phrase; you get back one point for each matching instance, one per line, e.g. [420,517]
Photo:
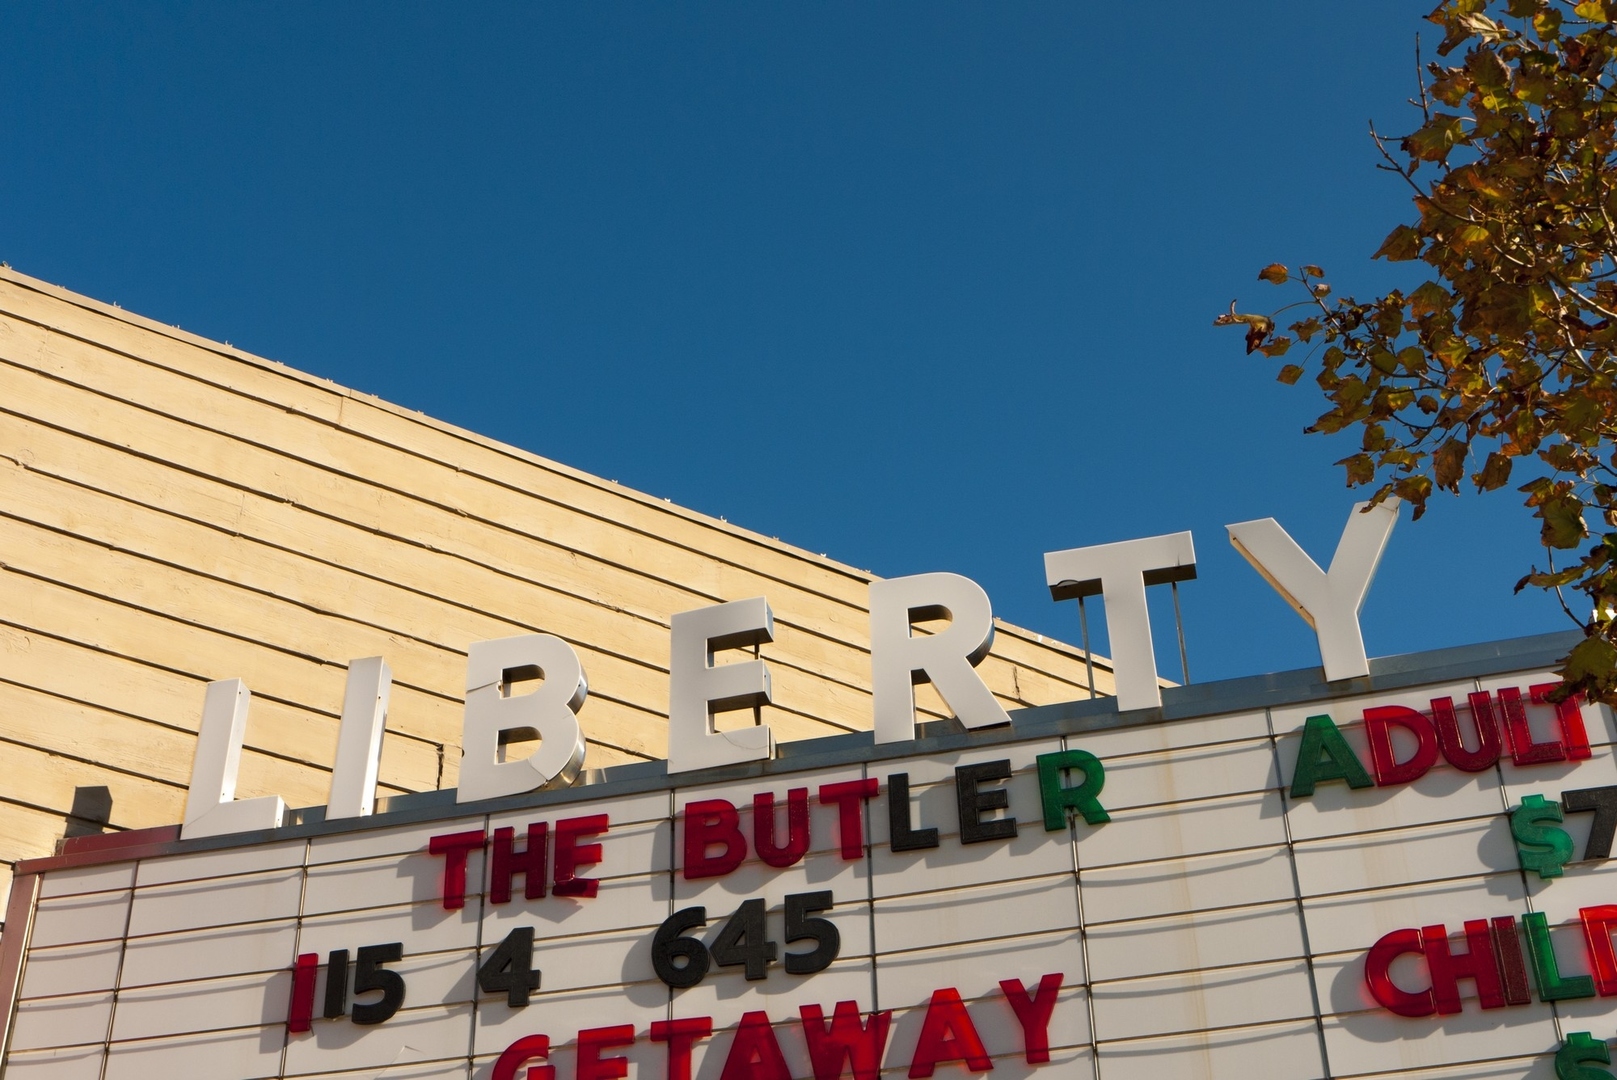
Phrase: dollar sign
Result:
[1580,1047]
[1541,848]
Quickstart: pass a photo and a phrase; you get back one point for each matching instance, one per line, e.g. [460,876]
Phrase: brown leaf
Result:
[1258,327]
[1414,490]
[1290,374]
[1448,465]
[1312,271]
[1495,472]
[1274,274]
[1401,245]
[1429,298]
[1488,71]
[1360,469]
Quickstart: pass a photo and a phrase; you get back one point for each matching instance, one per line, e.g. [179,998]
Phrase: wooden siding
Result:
[173,510]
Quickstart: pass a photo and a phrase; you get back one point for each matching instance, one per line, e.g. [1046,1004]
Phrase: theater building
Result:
[341,742]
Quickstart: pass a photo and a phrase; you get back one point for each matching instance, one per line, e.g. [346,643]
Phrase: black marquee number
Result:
[799,926]
[370,975]
[509,968]
[744,941]
[1603,801]
[670,945]
[336,984]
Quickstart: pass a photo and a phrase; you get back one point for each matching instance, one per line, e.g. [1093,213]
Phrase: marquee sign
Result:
[1268,877]
[699,688]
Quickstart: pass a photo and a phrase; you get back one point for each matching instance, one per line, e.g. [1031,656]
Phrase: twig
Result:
[1393,166]
[1420,81]
[1549,554]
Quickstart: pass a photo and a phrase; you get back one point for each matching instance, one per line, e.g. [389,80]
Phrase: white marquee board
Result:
[1215,926]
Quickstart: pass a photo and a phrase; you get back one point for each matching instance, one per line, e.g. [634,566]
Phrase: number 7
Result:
[1603,801]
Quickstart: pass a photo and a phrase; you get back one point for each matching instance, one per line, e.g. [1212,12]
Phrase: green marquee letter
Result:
[1058,799]
[1320,736]
[1552,985]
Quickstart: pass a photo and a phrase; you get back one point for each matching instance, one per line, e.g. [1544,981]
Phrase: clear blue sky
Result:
[921,286]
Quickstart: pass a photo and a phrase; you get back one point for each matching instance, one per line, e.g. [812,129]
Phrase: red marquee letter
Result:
[947,1034]
[454,847]
[1477,963]
[1452,744]
[591,1041]
[1523,750]
[1598,923]
[506,863]
[519,1054]
[849,797]
[755,1054]
[1512,965]
[570,854]
[1570,715]
[1388,769]
[797,827]
[845,1040]
[1377,974]
[680,1035]
[709,822]
[1033,1013]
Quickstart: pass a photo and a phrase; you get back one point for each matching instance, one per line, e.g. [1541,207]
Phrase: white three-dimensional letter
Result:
[899,658]
[697,688]
[1119,573]
[1328,600]
[494,713]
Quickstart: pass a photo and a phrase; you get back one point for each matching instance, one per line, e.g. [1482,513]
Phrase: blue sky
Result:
[923,287]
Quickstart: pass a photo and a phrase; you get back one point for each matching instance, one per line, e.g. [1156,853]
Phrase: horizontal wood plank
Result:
[433,475]
[173,510]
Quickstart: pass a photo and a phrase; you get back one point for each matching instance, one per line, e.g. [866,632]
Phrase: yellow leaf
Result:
[1274,273]
[1428,298]
[1563,522]
[1451,350]
[1435,138]
[1591,660]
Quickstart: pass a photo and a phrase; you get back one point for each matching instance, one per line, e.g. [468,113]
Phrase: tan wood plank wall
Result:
[173,510]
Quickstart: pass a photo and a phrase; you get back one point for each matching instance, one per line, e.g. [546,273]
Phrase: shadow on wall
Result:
[92,809]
